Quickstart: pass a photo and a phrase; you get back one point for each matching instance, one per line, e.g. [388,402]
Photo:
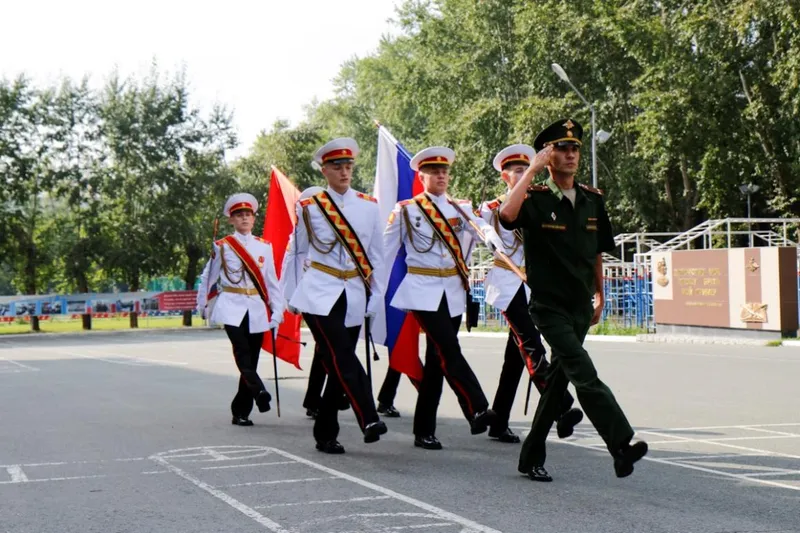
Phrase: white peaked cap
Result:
[341,148]
[433,155]
[241,201]
[517,153]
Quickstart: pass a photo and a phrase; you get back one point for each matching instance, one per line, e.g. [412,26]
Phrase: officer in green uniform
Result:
[565,230]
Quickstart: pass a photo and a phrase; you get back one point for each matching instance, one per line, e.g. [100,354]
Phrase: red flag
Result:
[279,224]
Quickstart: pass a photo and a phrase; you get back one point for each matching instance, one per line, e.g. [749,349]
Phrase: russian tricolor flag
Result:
[395,329]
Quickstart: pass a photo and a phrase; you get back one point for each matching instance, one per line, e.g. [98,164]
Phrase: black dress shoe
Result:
[568,421]
[312,413]
[429,442]
[538,473]
[388,411]
[331,446]
[373,432]
[504,436]
[262,401]
[482,421]
[629,454]
[241,421]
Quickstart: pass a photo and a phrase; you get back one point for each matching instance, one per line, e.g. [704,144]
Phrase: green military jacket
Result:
[561,243]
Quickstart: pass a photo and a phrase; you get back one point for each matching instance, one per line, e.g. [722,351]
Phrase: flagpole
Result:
[502,255]
[275,369]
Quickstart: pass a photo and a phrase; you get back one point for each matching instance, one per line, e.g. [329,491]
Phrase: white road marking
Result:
[712,355]
[26,367]
[16,474]
[214,454]
[718,443]
[105,360]
[440,513]
[762,430]
[68,478]
[747,426]
[781,472]
[225,498]
[740,477]
[719,456]
[37,464]
[247,465]
[277,481]
[322,502]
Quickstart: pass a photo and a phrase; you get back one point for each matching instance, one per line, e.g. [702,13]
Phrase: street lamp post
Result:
[748,190]
[563,75]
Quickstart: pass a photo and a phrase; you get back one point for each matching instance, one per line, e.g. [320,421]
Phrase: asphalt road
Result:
[132,433]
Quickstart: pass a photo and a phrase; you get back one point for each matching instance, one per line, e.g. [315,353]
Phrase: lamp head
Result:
[559,72]
[603,136]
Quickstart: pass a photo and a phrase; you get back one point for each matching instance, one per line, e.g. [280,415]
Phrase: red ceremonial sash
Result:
[345,234]
[251,267]
[442,228]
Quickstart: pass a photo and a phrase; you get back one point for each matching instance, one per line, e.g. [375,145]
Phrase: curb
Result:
[503,335]
[108,332]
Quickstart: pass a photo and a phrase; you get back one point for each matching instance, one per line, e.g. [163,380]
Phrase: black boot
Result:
[567,422]
[428,442]
[331,446]
[262,401]
[241,421]
[626,456]
[504,436]
[373,431]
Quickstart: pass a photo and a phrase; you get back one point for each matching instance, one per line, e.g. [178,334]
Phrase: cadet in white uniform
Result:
[438,239]
[317,374]
[507,292]
[338,234]
[250,300]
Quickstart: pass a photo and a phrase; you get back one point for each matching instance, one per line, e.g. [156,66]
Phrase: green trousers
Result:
[565,332]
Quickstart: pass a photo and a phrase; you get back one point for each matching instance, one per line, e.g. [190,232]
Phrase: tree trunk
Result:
[83,288]
[30,275]
[134,316]
[193,253]
[690,195]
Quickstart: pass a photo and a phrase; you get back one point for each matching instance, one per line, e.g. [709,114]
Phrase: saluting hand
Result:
[541,160]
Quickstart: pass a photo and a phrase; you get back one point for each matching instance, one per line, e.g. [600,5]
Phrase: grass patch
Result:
[609,328]
[774,343]
[604,328]
[98,324]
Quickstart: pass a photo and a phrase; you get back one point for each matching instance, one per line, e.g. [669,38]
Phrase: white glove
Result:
[373,307]
[493,240]
[277,320]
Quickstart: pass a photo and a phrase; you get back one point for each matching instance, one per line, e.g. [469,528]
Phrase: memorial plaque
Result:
[740,288]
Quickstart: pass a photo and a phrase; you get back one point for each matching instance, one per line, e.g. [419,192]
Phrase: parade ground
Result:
[131,432]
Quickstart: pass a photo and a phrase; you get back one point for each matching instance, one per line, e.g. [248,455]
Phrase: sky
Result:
[264,59]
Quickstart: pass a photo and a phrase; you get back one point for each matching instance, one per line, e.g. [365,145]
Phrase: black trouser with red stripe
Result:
[523,349]
[345,373]
[316,381]
[246,349]
[444,360]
